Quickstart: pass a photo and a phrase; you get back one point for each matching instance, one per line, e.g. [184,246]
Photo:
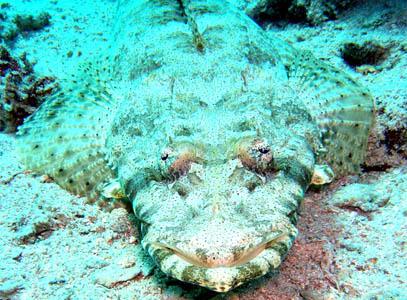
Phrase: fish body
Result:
[212,130]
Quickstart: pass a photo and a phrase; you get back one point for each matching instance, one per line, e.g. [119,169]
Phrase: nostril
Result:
[252,184]
[182,192]
[181,189]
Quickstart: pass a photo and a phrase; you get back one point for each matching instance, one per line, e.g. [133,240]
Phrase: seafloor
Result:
[353,233]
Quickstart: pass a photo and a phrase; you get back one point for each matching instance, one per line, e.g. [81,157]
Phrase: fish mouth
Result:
[218,274]
[239,259]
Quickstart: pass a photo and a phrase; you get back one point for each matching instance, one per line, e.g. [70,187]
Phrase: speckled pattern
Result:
[212,128]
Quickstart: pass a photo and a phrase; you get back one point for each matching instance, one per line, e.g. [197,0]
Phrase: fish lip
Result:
[244,258]
[221,278]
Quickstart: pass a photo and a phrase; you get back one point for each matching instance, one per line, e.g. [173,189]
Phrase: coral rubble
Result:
[21,90]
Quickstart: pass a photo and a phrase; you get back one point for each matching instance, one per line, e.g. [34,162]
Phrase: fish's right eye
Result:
[256,155]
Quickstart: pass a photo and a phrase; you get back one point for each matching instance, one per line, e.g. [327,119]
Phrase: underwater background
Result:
[352,232]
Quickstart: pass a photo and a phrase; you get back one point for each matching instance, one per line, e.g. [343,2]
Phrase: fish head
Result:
[219,217]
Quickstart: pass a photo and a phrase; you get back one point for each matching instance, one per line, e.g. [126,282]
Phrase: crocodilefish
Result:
[211,128]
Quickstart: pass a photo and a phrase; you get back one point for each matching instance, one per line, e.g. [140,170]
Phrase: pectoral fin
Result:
[323,174]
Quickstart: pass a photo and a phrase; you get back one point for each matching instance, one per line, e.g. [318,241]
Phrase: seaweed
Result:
[21,90]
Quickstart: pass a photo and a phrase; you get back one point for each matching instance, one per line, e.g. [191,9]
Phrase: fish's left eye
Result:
[176,163]
[166,154]
[181,165]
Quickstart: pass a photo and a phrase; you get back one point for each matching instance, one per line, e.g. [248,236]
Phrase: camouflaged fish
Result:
[211,128]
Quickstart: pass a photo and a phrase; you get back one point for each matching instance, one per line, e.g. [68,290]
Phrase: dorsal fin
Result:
[342,108]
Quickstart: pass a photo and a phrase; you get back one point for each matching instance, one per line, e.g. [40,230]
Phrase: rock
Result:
[119,220]
[317,295]
[21,24]
[367,198]
[369,53]
[9,288]
[26,23]
[127,262]
[371,256]
[311,12]
[113,275]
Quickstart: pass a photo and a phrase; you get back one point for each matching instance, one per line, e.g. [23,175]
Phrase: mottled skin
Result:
[211,134]
[205,219]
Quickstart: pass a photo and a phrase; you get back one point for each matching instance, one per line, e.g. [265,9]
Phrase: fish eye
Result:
[175,163]
[256,155]
[166,154]
[261,147]
[181,165]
